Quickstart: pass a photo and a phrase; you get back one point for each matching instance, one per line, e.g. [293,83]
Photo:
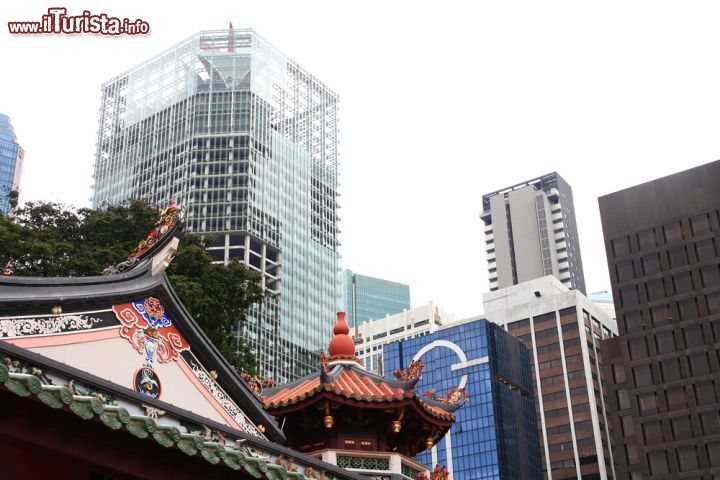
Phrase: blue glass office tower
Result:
[368,298]
[246,140]
[495,434]
[11,160]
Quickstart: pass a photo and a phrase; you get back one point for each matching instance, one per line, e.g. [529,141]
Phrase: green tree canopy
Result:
[51,240]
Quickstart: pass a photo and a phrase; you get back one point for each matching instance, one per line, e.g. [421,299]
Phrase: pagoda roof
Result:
[348,381]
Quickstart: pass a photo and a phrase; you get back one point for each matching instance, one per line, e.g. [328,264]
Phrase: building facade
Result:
[530,232]
[563,331]
[246,140]
[662,240]
[367,298]
[371,336]
[11,162]
[494,436]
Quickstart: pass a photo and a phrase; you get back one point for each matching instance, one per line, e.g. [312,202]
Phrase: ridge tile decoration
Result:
[256,383]
[455,396]
[146,325]
[438,473]
[168,217]
[413,371]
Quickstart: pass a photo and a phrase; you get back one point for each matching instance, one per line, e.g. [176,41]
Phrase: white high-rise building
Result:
[530,232]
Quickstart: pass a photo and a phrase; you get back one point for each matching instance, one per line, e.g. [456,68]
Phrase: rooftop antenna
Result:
[231,39]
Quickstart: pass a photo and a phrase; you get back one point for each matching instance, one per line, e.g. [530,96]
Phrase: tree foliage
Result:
[50,240]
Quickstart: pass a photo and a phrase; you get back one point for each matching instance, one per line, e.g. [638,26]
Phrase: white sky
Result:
[440,103]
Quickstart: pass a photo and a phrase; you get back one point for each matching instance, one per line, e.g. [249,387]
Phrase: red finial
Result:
[231,39]
[341,343]
[341,326]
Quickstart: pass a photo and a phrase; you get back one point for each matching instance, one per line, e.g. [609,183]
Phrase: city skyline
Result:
[646,100]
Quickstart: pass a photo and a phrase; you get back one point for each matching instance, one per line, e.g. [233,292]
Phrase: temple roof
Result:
[140,277]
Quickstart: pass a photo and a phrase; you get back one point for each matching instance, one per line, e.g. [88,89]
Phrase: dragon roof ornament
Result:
[157,240]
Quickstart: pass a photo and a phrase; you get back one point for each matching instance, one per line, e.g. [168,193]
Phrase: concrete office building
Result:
[530,232]
[246,140]
[662,240]
[11,163]
[370,337]
[494,436]
[563,331]
[367,298]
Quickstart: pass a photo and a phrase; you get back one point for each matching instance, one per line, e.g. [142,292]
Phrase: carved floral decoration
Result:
[17,327]
[149,330]
[414,370]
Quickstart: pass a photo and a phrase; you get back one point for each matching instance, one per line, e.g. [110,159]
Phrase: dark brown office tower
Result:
[663,247]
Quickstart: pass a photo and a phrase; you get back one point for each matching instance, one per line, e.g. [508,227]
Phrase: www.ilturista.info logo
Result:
[57,21]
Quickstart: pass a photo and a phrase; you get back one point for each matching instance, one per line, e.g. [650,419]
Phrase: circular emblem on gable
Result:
[147,382]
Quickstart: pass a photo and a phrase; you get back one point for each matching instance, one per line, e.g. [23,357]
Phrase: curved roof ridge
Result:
[403,384]
[140,269]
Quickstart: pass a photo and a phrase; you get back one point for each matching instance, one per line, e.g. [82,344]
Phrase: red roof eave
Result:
[428,412]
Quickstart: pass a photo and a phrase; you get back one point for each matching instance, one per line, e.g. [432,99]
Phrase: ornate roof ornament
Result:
[158,244]
[256,383]
[342,346]
[168,218]
[455,396]
[438,473]
[412,372]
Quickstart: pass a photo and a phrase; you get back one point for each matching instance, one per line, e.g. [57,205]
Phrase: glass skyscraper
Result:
[495,435]
[368,298]
[11,160]
[246,140]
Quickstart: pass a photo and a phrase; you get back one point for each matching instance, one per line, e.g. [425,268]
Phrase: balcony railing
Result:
[377,465]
